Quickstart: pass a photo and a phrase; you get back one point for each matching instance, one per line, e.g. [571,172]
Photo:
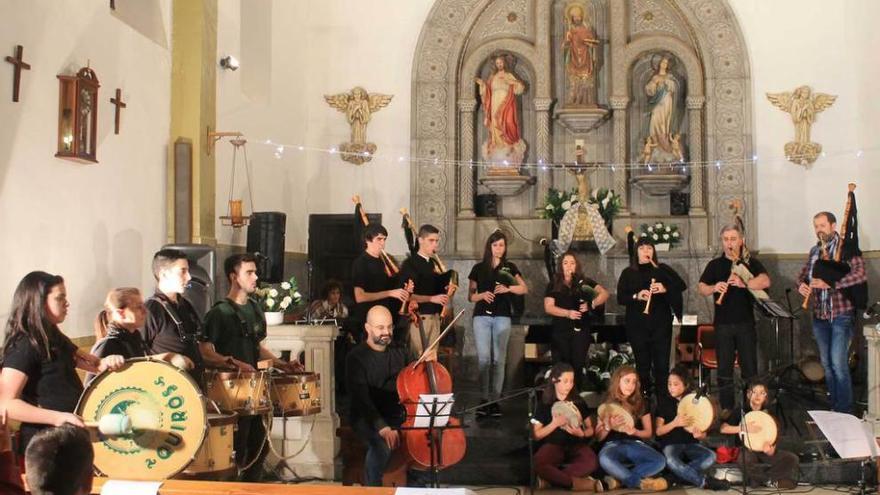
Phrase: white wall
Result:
[328,46]
[98,224]
[831,46]
[318,47]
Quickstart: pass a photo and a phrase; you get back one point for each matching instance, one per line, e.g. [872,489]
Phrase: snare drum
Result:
[167,413]
[296,394]
[244,392]
[216,459]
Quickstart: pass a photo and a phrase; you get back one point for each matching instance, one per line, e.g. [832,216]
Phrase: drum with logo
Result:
[245,392]
[296,394]
[216,459]
[167,413]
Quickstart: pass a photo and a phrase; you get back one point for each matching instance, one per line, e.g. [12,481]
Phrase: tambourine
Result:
[758,441]
[700,412]
[608,410]
[570,411]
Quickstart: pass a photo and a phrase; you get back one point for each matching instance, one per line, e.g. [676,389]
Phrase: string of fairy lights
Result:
[281,149]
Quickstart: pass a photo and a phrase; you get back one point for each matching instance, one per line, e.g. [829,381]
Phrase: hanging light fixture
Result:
[235,216]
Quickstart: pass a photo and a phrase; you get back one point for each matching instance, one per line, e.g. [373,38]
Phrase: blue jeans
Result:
[616,458]
[833,338]
[689,461]
[494,332]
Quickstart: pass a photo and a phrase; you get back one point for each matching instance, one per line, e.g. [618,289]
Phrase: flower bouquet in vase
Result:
[277,299]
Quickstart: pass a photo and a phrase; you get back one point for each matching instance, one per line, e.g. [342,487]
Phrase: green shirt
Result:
[236,330]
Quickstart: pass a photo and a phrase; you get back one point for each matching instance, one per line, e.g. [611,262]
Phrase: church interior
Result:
[579,132]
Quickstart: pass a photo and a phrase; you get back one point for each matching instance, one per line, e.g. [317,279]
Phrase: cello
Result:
[433,449]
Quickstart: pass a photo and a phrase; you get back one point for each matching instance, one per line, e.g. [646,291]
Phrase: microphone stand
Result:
[309,284]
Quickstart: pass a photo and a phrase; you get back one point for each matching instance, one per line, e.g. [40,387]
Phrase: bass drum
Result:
[167,414]
[812,369]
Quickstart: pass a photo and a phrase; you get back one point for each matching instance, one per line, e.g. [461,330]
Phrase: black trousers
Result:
[730,340]
[249,440]
[651,349]
[570,347]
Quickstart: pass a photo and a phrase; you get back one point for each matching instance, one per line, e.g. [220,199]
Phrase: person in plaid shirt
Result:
[833,312]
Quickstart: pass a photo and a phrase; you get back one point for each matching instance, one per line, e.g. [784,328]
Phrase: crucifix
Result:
[19,65]
[119,106]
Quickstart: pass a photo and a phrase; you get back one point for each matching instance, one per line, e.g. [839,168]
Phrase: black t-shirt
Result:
[544,415]
[427,282]
[51,384]
[635,279]
[175,329]
[737,304]
[504,274]
[236,330]
[119,342]
[368,273]
[371,379]
[667,408]
[571,298]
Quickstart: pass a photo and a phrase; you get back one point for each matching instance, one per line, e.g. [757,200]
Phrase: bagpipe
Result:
[444,278]
[832,269]
[740,265]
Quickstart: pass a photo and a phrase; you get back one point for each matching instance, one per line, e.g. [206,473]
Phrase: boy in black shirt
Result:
[371,371]
[372,284]
[734,318]
[429,290]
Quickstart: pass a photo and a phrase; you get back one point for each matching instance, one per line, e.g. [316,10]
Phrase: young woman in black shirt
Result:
[569,299]
[562,443]
[38,383]
[117,325]
[492,281]
[650,334]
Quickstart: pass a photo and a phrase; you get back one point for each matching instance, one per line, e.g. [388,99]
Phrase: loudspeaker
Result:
[265,238]
[202,266]
[486,205]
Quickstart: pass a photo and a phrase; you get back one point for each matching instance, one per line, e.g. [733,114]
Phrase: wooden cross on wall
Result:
[16,75]
[119,106]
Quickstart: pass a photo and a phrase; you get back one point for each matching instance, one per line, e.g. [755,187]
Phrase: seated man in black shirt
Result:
[235,328]
[371,371]
[734,317]
[172,323]
[373,285]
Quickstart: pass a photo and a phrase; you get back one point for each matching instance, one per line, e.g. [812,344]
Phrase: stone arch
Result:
[524,51]
[675,46]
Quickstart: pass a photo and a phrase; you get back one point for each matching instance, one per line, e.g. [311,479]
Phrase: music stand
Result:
[851,438]
[774,311]
[432,414]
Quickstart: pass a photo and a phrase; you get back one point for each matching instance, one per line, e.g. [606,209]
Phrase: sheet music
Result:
[123,487]
[850,436]
[426,404]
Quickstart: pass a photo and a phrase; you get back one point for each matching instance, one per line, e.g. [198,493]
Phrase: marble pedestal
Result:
[872,338]
[312,438]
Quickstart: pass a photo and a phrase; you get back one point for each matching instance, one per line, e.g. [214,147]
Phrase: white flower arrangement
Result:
[284,297]
[661,232]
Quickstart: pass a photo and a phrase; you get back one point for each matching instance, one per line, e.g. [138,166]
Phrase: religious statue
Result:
[662,89]
[583,222]
[802,105]
[578,48]
[358,106]
[504,147]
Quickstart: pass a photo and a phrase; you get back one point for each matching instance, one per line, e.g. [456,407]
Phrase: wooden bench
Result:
[353,451]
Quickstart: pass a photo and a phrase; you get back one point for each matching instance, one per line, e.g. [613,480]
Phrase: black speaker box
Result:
[486,205]
[265,238]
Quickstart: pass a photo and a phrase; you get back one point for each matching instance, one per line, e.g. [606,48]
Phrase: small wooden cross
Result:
[119,106]
[19,65]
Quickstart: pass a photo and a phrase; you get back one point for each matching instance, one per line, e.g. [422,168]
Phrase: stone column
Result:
[542,150]
[466,153]
[621,184]
[695,144]
[313,436]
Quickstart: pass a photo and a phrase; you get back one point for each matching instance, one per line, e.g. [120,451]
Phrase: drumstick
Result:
[650,293]
[437,340]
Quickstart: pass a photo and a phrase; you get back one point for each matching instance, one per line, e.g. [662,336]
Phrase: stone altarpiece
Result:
[705,70]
